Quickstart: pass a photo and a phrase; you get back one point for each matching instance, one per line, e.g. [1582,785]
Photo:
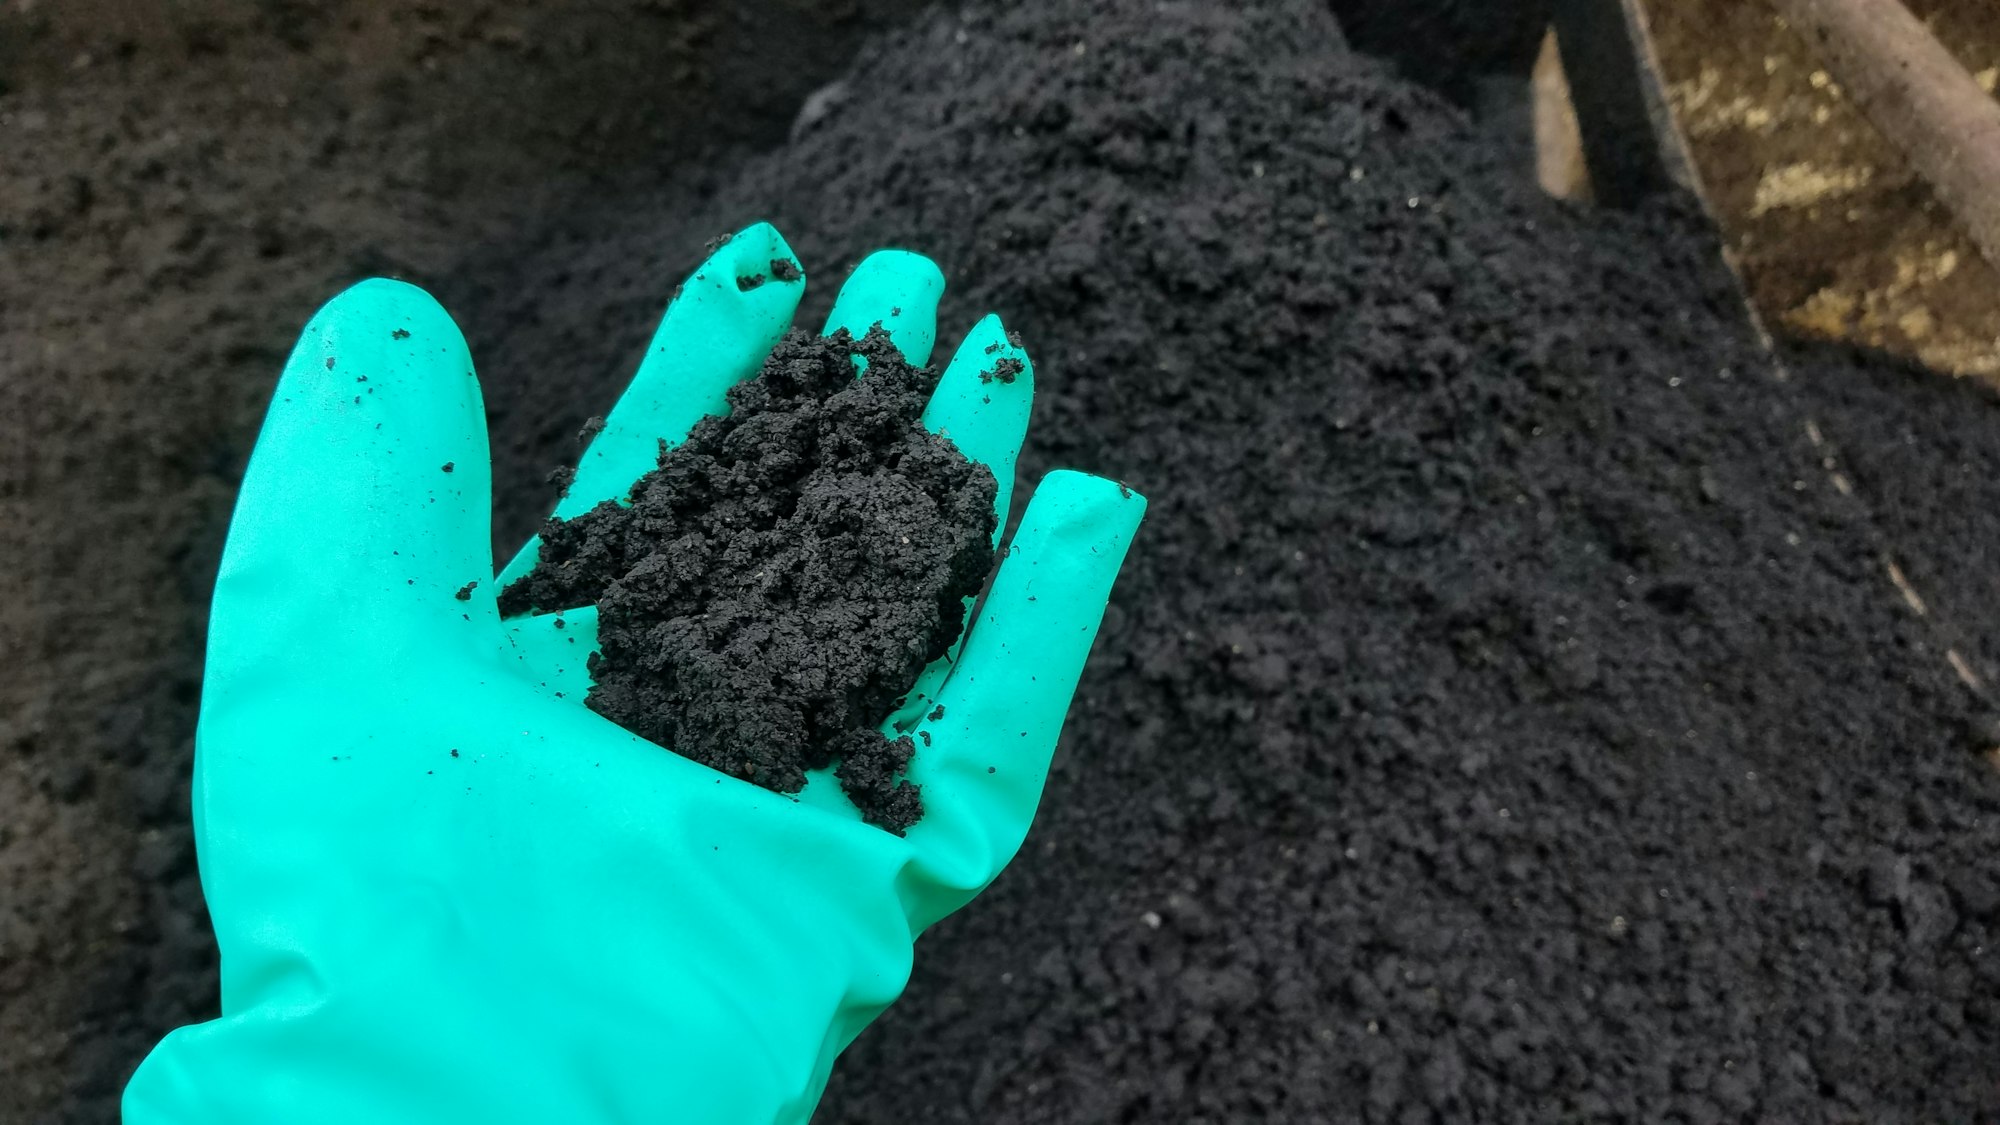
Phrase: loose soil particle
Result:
[779,581]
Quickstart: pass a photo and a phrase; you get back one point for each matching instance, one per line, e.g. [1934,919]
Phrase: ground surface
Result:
[1507,713]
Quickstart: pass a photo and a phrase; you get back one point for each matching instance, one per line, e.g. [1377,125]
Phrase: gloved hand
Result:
[444,889]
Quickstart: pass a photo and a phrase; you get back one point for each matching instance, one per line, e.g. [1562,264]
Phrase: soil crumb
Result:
[782,577]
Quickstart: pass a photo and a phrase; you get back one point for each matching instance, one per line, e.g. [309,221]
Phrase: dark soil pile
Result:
[779,581]
[1504,716]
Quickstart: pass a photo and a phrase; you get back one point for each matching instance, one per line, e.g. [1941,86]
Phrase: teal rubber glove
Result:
[447,891]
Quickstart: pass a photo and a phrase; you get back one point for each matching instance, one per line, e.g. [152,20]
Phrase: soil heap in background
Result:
[1501,716]
[779,581]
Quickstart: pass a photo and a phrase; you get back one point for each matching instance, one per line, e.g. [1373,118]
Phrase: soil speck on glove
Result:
[1005,371]
[780,580]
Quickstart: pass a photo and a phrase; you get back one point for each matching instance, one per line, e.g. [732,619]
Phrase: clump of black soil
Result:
[779,581]
[1505,716]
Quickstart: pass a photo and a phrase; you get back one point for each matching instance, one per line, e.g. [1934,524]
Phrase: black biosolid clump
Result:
[1005,371]
[782,577]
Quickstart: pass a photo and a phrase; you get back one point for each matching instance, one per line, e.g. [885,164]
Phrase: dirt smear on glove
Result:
[779,581]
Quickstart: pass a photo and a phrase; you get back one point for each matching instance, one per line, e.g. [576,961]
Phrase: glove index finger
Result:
[983,751]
